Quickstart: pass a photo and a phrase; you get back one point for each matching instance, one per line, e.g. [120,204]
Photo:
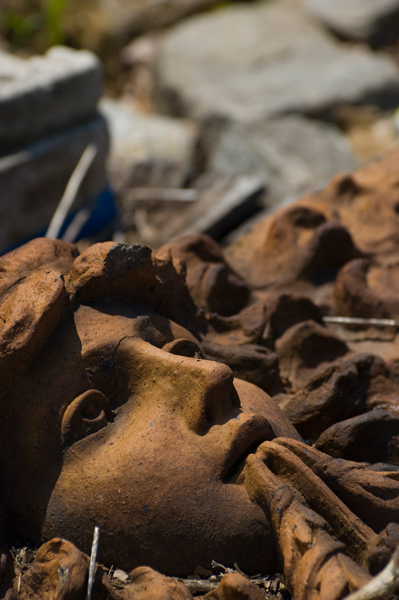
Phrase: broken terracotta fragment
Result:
[369,288]
[301,248]
[232,321]
[348,387]
[346,438]
[295,251]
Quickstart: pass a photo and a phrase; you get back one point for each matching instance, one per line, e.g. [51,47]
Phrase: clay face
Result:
[135,433]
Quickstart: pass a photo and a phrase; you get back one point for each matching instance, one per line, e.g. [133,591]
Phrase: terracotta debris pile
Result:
[134,426]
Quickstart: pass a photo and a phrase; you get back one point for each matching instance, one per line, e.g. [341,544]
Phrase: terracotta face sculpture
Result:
[120,423]
[112,417]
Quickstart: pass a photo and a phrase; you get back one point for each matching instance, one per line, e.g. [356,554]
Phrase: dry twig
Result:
[93,558]
[361,321]
[384,585]
[197,586]
[71,191]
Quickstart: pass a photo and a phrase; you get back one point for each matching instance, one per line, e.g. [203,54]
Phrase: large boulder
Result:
[248,62]
[290,154]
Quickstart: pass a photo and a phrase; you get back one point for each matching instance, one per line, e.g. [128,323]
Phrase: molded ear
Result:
[87,414]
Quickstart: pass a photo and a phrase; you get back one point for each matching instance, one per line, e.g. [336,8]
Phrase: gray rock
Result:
[375,22]
[44,94]
[290,154]
[138,139]
[249,62]
[222,204]
[33,180]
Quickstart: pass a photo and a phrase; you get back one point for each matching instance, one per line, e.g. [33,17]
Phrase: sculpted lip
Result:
[254,431]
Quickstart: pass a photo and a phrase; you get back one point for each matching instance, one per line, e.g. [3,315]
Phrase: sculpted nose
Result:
[210,398]
[201,392]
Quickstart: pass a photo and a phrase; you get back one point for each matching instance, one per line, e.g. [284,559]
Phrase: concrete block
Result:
[33,180]
[44,94]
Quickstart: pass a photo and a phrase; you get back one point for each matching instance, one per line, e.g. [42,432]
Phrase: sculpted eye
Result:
[184,347]
[87,414]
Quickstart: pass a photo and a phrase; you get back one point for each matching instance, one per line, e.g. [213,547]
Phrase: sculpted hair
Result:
[44,280]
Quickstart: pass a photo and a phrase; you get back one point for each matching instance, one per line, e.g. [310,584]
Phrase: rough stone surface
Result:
[33,180]
[367,21]
[291,154]
[249,62]
[46,93]
[137,139]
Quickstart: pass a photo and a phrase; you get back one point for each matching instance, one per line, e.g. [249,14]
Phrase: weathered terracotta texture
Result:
[302,247]
[315,503]
[60,571]
[231,321]
[283,345]
[369,288]
[132,427]
[333,252]
[113,417]
[346,388]
[235,587]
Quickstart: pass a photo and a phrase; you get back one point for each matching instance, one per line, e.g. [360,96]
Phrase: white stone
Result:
[44,94]
[136,138]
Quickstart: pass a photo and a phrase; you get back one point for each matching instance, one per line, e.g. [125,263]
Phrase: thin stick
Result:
[140,194]
[71,191]
[384,585]
[197,586]
[93,558]
[76,225]
[359,321]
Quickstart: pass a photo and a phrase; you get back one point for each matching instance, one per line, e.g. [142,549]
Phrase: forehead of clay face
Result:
[99,323]
[81,352]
